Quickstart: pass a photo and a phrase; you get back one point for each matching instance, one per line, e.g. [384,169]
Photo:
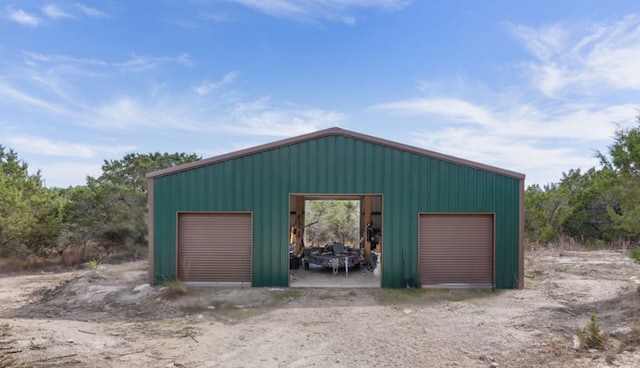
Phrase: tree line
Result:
[595,207]
[108,212]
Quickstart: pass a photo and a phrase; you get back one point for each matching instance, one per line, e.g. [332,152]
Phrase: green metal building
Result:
[442,221]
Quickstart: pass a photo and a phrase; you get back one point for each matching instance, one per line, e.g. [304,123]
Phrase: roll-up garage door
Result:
[214,247]
[456,250]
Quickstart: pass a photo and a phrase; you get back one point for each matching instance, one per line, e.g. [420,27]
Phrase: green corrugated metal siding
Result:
[410,184]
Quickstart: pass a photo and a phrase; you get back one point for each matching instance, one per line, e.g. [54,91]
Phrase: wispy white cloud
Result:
[124,113]
[49,84]
[586,121]
[54,12]
[585,79]
[498,149]
[12,96]
[22,17]
[260,117]
[141,63]
[91,12]
[332,10]
[574,59]
[49,147]
[385,5]
[256,118]
[136,63]
[131,114]
[206,88]
[541,164]
[206,116]
[61,162]
[541,141]
[275,7]
[454,109]
[61,173]
[53,85]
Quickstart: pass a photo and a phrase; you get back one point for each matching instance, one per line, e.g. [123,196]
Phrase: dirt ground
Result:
[109,317]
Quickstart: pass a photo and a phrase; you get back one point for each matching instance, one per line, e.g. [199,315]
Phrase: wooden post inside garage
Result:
[367,222]
[299,225]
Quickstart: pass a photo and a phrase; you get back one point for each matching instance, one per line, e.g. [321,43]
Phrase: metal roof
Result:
[332,132]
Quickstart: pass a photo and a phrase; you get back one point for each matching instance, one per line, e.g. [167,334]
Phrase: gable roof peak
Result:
[329,132]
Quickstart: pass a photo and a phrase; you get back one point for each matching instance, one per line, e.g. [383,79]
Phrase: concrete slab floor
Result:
[319,276]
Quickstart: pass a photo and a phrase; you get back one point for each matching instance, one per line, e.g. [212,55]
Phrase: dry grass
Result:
[32,262]
[72,256]
[22,263]
[6,359]
[16,263]
[630,341]
[172,289]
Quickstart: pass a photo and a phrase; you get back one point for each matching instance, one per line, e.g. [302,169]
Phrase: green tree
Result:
[624,153]
[589,195]
[594,206]
[111,210]
[539,213]
[624,159]
[130,172]
[82,219]
[30,214]
[332,220]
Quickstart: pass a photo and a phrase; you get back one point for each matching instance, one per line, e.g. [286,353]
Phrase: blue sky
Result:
[530,86]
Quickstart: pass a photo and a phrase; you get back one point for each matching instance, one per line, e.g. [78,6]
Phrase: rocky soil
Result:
[109,317]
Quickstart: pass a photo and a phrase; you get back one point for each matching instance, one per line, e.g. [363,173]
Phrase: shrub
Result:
[93,264]
[635,254]
[591,337]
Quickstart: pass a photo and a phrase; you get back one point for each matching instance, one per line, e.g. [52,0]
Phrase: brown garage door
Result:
[214,247]
[456,250]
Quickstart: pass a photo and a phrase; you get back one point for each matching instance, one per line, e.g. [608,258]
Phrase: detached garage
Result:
[435,220]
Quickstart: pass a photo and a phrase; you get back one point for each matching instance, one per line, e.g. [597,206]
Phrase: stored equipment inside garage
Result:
[335,260]
[227,219]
